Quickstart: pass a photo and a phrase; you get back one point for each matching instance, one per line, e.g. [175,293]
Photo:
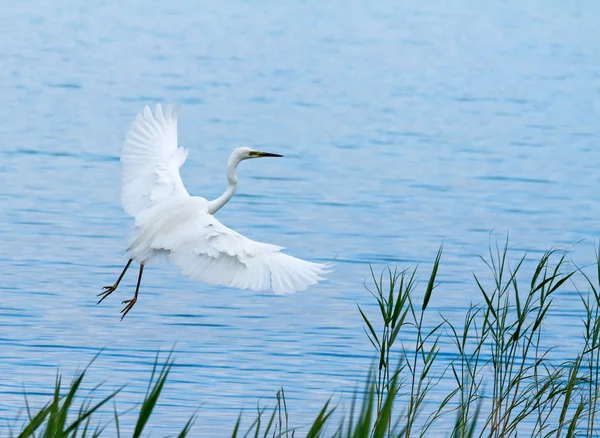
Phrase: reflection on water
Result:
[402,125]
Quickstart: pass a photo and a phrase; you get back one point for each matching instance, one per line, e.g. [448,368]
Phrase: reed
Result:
[505,381]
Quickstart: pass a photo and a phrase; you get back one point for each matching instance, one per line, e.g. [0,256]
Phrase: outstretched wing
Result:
[205,249]
[151,161]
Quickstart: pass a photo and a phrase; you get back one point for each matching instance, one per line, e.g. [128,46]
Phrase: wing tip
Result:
[170,111]
[289,280]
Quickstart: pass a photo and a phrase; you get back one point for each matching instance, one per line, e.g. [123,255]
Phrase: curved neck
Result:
[214,206]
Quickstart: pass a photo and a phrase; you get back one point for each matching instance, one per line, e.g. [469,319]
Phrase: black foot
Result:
[106,291]
[130,303]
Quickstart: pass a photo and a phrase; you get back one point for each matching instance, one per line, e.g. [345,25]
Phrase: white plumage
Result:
[151,161]
[171,224]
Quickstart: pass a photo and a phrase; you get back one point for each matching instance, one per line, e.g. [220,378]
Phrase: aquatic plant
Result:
[506,382]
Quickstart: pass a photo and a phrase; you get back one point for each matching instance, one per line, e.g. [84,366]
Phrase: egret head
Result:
[245,153]
[237,156]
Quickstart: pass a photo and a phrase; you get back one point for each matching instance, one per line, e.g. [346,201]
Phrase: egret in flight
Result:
[169,224]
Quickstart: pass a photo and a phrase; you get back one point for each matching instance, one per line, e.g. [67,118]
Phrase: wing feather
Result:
[205,249]
[169,222]
[151,161]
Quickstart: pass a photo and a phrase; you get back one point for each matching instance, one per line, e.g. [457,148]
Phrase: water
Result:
[403,125]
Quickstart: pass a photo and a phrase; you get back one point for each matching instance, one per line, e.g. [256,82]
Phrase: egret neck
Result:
[214,206]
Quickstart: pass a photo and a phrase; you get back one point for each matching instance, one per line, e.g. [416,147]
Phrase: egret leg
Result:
[107,290]
[130,303]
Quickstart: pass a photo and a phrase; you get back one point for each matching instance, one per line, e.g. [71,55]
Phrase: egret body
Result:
[171,225]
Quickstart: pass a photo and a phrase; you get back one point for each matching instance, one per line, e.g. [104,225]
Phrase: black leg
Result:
[107,290]
[130,303]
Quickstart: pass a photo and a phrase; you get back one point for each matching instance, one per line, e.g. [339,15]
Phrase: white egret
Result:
[170,224]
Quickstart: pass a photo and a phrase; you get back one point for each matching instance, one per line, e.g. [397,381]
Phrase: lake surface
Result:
[404,125]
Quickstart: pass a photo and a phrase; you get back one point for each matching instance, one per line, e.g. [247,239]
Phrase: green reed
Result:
[505,382]
[61,418]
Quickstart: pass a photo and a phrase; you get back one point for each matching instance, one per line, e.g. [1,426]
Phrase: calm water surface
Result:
[404,125]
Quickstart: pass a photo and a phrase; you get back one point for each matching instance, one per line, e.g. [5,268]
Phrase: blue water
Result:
[404,125]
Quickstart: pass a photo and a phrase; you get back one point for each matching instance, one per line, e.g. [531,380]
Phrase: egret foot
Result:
[130,303]
[106,291]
